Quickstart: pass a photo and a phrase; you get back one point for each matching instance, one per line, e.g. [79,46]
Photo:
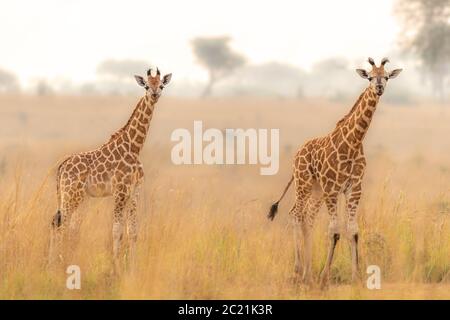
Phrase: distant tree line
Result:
[8,82]
[426,35]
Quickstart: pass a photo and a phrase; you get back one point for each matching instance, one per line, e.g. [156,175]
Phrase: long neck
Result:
[135,131]
[355,124]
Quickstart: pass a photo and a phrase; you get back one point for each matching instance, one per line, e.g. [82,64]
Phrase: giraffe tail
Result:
[56,222]
[274,208]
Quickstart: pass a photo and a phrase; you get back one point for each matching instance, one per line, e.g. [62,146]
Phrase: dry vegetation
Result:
[204,232]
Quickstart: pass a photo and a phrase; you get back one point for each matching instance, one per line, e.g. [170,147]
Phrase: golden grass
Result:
[203,229]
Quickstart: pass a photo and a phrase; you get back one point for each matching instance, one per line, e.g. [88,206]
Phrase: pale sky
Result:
[68,39]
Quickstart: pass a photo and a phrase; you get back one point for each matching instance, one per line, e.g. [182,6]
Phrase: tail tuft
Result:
[273,211]
[274,207]
[57,219]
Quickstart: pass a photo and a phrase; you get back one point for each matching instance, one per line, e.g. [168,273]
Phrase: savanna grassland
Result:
[203,229]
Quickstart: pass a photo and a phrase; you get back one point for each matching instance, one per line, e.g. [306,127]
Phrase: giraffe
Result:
[328,166]
[113,169]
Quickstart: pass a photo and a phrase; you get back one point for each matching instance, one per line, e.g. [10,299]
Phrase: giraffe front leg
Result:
[352,199]
[333,236]
[121,196]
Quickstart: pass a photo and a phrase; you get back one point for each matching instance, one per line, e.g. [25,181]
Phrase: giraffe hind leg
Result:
[56,239]
[70,191]
[132,226]
[74,230]
[121,197]
[352,199]
[303,192]
[333,235]
[60,227]
[298,264]
[54,233]
[312,207]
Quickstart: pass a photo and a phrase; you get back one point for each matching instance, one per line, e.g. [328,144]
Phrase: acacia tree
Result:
[426,34]
[216,55]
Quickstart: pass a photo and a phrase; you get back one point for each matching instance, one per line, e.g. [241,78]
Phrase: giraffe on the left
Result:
[113,169]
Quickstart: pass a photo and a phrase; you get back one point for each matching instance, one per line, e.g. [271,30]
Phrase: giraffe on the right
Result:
[328,166]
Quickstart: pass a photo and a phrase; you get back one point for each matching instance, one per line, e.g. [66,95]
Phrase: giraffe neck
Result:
[135,131]
[355,125]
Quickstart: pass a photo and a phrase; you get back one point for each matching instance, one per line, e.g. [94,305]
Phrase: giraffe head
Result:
[378,76]
[154,84]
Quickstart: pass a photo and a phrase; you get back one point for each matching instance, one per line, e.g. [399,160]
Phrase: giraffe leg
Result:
[312,207]
[73,234]
[307,236]
[121,196]
[303,191]
[297,242]
[352,199]
[333,235]
[54,252]
[59,236]
[132,225]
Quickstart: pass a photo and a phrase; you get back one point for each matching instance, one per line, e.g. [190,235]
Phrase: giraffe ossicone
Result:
[328,166]
[112,169]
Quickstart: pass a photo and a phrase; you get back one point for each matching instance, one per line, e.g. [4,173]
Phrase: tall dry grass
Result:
[203,229]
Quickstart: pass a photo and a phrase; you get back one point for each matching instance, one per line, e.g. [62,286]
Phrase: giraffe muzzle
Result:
[379,90]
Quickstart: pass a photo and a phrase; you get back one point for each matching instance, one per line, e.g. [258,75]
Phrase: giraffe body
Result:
[113,169]
[326,167]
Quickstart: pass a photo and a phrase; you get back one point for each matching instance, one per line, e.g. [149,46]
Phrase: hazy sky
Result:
[67,39]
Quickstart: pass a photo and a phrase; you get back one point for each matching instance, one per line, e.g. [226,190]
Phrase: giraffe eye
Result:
[386,78]
[369,78]
[161,87]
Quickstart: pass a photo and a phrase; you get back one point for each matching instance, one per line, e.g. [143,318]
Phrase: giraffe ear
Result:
[140,81]
[394,73]
[363,73]
[166,79]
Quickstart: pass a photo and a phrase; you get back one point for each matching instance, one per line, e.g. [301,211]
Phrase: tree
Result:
[8,81]
[216,56]
[43,88]
[427,35]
